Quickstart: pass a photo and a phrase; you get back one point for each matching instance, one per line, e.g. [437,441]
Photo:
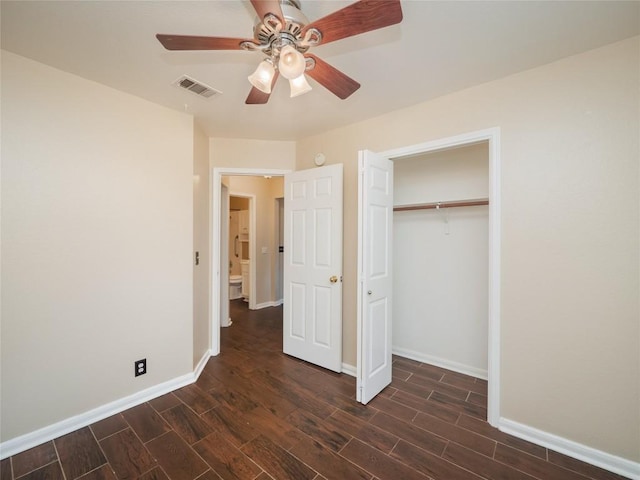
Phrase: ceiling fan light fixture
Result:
[292,63]
[299,86]
[263,76]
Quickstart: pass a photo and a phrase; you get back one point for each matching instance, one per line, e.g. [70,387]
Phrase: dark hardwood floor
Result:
[256,413]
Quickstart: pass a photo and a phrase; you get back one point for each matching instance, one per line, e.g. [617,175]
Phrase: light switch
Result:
[264,249]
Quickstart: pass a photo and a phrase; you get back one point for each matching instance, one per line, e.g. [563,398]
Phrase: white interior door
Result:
[375,229]
[312,324]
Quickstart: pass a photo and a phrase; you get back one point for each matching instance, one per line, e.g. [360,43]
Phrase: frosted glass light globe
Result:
[299,86]
[262,77]
[292,63]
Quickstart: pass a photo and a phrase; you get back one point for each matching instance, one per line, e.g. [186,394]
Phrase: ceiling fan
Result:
[284,35]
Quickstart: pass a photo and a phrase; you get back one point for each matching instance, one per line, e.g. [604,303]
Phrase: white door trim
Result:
[216,175]
[492,135]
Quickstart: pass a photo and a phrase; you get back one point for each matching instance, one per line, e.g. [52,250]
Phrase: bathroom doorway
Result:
[239,247]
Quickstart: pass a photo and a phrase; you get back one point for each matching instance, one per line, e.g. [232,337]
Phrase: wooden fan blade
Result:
[357,18]
[189,42]
[258,97]
[331,78]
[264,7]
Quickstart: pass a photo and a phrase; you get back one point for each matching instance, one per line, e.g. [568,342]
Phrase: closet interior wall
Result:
[440,260]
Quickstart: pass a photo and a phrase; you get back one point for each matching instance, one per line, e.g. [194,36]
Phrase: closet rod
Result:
[454,203]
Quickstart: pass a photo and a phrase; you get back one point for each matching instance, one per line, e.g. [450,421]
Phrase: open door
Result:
[375,229]
[312,324]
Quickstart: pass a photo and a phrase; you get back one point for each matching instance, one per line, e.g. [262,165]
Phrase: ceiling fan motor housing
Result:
[272,35]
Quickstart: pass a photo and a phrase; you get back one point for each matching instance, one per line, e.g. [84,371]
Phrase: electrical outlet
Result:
[140,367]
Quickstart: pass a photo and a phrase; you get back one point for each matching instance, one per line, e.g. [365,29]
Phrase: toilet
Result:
[235,287]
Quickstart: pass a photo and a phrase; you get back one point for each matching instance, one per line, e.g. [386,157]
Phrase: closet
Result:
[440,258]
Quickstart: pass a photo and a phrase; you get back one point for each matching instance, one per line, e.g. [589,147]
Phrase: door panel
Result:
[378,351]
[313,266]
[375,274]
[297,302]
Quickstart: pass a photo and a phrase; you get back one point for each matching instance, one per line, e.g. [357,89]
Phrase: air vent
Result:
[196,87]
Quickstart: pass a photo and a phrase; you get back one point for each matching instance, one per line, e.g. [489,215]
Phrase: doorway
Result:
[312,292]
[241,247]
[220,240]
[367,244]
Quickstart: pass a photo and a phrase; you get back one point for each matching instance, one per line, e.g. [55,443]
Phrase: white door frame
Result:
[492,135]
[279,240]
[216,181]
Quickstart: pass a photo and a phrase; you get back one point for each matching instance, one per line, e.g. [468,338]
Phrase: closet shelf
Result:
[450,204]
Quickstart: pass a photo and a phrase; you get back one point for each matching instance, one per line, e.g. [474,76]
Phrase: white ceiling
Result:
[439,47]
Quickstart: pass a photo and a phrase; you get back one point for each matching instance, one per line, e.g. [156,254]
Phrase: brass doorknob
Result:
[333,279]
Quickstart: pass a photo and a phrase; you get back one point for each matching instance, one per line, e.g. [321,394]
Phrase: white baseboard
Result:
[271,303]
[201,364]
[349,370]
[441,362]
[573,449]
[68,425]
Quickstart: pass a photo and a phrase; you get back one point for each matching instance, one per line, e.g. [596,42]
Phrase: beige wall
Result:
[570,235]
[238,203]
[252,154]
[266,191]
[201,244]
[96,245]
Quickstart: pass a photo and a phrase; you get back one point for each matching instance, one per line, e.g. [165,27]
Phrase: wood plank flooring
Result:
[257,414]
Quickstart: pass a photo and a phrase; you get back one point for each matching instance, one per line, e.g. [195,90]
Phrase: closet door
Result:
[375,229]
